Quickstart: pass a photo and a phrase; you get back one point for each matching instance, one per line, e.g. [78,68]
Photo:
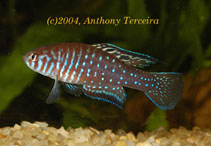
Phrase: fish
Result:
[102,71]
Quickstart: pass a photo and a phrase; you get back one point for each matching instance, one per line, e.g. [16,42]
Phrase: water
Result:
[180,41]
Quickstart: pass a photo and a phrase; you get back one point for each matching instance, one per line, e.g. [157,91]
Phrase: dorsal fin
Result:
[132,58]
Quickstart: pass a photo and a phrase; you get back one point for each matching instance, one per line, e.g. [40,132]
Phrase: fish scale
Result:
[100,71]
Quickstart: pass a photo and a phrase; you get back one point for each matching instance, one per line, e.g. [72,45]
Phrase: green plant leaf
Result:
[156,120]
[15,75]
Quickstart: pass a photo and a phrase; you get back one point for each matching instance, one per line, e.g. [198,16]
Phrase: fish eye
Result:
[33,56]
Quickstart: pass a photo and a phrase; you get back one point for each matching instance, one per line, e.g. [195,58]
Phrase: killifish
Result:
[101,71]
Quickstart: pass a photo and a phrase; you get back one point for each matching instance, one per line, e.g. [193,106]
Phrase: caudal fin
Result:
[166,90]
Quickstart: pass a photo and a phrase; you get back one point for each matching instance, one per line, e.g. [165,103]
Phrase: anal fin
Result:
[112,94]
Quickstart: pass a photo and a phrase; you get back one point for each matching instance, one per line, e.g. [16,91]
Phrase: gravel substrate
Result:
[39,134]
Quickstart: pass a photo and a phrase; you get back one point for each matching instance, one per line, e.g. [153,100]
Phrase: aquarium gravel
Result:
[40,134]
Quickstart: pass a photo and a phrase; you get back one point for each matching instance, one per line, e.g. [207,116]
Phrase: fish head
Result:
[31,58]
[40,60]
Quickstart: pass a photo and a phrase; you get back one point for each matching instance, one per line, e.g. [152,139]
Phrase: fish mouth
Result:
[24,57]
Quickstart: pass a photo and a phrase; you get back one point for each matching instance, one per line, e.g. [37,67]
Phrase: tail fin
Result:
[167,90]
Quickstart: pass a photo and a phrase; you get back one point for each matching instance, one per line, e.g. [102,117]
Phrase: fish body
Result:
[101,71]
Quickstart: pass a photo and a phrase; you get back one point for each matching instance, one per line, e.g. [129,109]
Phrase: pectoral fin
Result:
[54,94]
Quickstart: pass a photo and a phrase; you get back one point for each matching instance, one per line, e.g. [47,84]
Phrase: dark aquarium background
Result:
[181,41]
